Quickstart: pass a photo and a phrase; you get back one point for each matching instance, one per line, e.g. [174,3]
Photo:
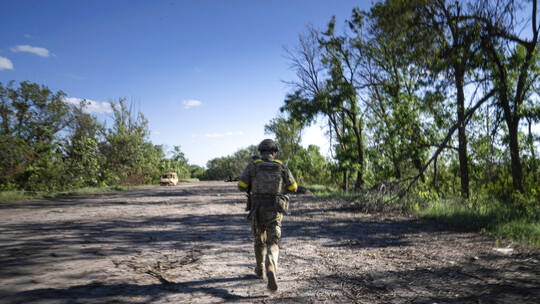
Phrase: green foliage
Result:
[83,156]
[15,156]
[86,190]
[49,145]
[129,155]
[310,167]
[307,166]
[480,213]
[326,64]
[31,118]
[229,167]
[220,168]
[16,195]
[188,180]
[335,193]
[47,173]
[423,70]
[405,76]
[288,134]
[487,215]
[84,162]
[177,163]
[196,171]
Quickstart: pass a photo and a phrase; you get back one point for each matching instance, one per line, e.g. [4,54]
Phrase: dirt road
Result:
[191,244]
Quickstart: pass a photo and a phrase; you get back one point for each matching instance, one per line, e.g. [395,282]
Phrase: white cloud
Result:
[191,103]
[36,50]
[224,134]
[5,64]
[92,106]
[27,36]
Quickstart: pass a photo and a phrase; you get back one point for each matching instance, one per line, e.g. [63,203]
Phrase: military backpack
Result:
[268,183]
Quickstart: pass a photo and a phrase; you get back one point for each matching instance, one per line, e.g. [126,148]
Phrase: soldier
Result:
[269,181]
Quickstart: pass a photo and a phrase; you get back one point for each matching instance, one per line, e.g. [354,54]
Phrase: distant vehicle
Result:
[168,179]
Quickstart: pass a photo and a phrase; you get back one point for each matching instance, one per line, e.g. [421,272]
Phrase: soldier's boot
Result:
[260,255]
[272,267]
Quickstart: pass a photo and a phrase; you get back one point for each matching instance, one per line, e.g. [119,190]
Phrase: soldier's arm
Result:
[244,181]
[290,183]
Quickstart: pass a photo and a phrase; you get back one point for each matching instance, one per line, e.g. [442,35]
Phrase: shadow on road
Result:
[148,293]
[469,282]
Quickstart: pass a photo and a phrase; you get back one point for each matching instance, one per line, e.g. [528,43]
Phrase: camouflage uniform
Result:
[269,201]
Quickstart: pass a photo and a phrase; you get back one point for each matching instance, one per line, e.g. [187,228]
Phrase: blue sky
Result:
[208,75]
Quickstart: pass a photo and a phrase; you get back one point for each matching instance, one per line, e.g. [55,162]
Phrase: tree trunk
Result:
[530,139]
[418,165]
[360,146]
[531,147]
[435,185]
[345,185]
[359,181]
[512,122]
[446,139]
[517,172]
[462,136]
[397,171]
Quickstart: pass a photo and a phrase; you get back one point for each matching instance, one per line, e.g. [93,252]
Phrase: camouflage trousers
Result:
[266,229]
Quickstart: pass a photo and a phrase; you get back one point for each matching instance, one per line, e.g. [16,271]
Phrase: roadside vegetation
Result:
[49,145]
[480,214]
[18,195]
[430,108]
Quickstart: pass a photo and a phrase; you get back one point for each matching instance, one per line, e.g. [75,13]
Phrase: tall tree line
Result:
[48,144]
[409,85]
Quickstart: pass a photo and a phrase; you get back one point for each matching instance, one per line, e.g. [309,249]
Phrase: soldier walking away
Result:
[269,181]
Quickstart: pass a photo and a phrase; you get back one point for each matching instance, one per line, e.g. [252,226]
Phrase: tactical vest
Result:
[268,178]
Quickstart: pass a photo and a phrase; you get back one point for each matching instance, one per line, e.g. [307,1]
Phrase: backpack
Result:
[268,179]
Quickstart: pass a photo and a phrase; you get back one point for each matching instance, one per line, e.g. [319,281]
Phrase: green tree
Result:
[219,168]
[129,155]
[326,69]
[177,163]
[310,167]
[83,156]
[196,171]
[229,167]
[288,135]
[514,67]
[391,94]
[442,37]
[32,117]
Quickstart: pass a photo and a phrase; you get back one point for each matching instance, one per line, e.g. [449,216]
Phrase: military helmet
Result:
[268,145]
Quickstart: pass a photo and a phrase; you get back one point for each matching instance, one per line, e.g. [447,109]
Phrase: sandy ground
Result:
[192,244]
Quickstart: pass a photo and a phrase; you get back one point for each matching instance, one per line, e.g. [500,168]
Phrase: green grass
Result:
[360,201]
[326,191]
[188,180]
[495,218]
[88,190]
[17,195]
